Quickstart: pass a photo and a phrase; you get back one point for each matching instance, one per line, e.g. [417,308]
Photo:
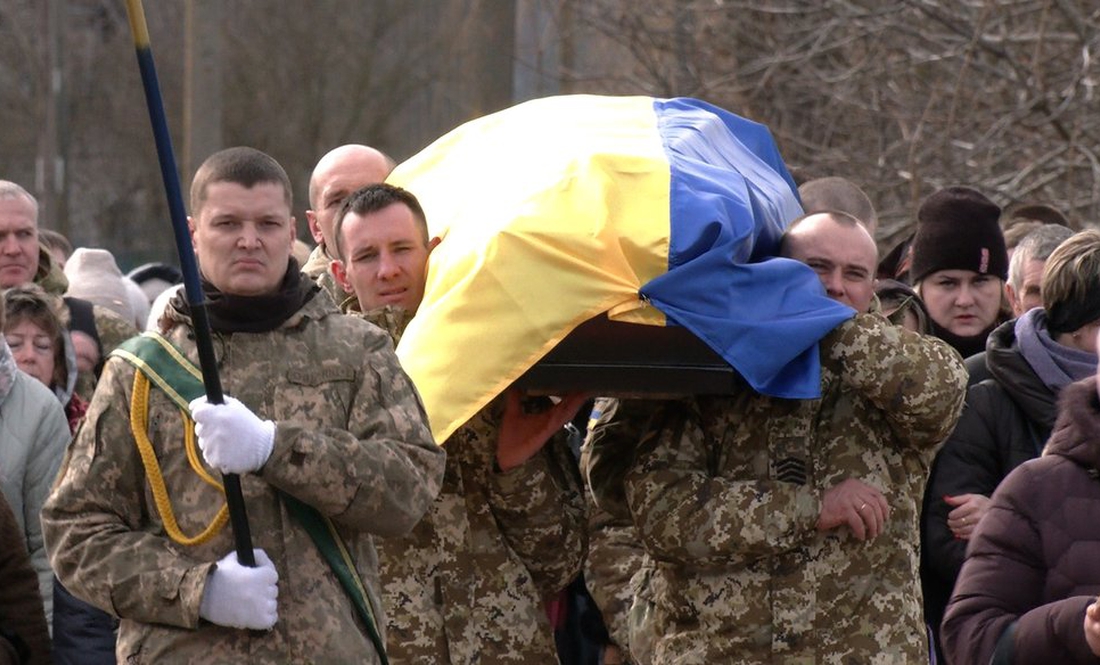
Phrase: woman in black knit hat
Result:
[959,266]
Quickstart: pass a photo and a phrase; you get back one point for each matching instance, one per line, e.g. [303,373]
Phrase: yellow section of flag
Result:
[550,213]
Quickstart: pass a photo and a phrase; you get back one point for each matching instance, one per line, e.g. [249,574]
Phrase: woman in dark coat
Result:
[1031,569]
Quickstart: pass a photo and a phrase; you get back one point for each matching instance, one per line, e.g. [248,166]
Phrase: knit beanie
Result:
[957,230]
[154,278]
[94,276]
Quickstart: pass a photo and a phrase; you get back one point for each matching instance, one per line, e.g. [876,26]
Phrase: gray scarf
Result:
[1056,366]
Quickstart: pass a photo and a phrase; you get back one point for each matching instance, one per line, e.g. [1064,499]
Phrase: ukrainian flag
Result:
[656,211]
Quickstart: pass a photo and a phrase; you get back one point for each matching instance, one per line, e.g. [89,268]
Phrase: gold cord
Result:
[139,422]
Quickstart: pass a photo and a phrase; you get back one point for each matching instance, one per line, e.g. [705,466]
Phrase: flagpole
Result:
[238,517]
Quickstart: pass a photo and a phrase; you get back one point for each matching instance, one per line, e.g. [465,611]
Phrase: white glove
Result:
[241,597]
[232,438]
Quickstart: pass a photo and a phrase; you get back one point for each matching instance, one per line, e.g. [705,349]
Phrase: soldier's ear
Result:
[433,243]
[341,275]
[314,227]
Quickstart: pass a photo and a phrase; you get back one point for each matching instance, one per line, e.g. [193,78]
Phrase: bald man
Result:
[836,193]
[339,173]
[840,250]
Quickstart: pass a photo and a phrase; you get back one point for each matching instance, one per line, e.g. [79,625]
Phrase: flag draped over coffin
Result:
[656,211]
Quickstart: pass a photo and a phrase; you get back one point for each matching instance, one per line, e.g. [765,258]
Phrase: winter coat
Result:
[351,441]
[1005,422]
[726,496]
[1031,567]
[22,620]
[33,436]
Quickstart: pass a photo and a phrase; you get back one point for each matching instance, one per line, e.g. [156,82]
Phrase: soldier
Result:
[872,449]
[339,173]
[768,519]
[326,429]
[507,530]
[786,529]
[96,331]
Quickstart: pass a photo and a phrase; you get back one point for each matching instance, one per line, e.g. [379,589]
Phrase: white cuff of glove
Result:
[231,437]
[241,597]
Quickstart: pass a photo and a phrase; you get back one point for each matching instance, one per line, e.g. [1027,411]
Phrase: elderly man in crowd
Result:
[96,330]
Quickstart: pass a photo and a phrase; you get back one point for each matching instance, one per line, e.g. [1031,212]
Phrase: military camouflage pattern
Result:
[317,268]
[468,585]
[113,330]
[391,318]
[726,492]
[615,553]
[351,441]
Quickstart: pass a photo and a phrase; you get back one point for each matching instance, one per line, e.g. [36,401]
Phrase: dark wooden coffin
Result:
[610,358]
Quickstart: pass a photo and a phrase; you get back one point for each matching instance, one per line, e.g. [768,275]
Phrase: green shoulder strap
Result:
[171,371]
[164,365]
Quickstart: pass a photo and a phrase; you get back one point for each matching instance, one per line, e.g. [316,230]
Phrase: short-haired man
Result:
[784,530]
[508,528]
[1022,288]
[838,247]
[1025,268]
[326,430]
[96,331]
[339,172]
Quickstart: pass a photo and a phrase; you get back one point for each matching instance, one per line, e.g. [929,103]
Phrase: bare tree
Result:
[904,96]
[297,80]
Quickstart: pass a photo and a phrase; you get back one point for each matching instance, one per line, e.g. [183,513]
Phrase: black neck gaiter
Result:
[230,313]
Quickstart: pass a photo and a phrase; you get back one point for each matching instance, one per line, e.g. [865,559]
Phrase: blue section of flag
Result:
[731,198]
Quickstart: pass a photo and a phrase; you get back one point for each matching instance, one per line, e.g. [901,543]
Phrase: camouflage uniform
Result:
[726,495]
[317,269]
[615,553]
[111,328]
[468,584]
[351,441]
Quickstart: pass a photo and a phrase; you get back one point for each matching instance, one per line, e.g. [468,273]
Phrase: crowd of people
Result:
[935,504]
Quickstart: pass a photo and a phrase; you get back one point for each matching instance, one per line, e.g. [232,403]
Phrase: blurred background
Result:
[901,96]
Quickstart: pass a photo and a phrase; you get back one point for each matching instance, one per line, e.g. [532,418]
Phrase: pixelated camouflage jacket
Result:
[111,328]
[725,496]
[351,440]
[615,552]
[468,584]
[317,269]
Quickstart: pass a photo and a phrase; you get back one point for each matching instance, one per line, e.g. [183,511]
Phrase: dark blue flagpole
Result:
[238,518]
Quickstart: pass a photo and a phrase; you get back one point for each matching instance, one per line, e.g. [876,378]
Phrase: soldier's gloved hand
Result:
[241,597]
[232,438]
